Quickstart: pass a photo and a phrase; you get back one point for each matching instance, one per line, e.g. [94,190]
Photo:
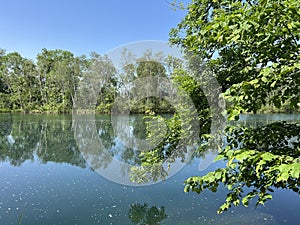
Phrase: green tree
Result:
[99,82]
[18,82]
[59,73]
[4,103]
[131,77]
[253,47]
[150,66]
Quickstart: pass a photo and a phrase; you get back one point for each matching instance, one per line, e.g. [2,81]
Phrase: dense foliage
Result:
[51,83]
[253,48]
[47,85]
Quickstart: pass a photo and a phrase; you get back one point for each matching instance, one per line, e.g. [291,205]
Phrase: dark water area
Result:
[46,178]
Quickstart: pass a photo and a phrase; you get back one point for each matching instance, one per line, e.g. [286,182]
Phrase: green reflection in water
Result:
[40,165]
[141,214]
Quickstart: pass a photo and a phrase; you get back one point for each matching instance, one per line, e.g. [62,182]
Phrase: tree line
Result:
[50,84]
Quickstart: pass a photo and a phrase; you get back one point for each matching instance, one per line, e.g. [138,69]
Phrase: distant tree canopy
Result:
[47,85]
[150,68]
[51,83]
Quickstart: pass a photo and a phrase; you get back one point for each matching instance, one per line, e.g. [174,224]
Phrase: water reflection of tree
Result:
[51,139]
[120,143]
[13,148]
[105,132]
[143,215]
[57,143]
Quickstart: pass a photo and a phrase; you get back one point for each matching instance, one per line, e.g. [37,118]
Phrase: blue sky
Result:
[83,26]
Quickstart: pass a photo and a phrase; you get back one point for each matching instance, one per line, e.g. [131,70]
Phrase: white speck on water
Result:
[110,215]
[57,211]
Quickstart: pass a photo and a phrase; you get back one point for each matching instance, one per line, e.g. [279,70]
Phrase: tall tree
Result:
[18,81]
[59,74]
[3,84]
[254,49]
[98,84]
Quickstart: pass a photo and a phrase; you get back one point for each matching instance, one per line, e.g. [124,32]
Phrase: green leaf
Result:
[268,196]
[264,79]
[219,157]
[245,201]
[218,175]
[268,156]
[273,84]
[187,188]
[295,170]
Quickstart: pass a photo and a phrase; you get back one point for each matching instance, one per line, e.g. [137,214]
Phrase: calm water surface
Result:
[44,179]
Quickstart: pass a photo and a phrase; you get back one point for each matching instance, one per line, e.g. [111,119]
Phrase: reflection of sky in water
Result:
[62,194]
[58,193]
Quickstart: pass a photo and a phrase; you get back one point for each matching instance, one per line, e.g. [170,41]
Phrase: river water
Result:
[46,179]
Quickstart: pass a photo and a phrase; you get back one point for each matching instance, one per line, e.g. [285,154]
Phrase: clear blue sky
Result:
[82,26]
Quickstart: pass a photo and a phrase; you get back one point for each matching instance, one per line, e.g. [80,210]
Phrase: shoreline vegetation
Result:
[265,110]
[37,112]
[58,80]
